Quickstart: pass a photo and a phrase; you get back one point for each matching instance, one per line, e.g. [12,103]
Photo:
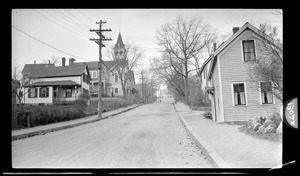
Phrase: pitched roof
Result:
[28,67]
[119,43]
[213,56]
[54,83]
[108,64]
[42,72]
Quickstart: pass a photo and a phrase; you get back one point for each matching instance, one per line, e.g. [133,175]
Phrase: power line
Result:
[82,31]
[77,18]
[49,45]
[72,22]
[74,32]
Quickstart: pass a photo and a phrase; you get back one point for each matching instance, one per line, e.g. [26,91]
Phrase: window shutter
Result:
[47,93]
[29,92]
[35,92]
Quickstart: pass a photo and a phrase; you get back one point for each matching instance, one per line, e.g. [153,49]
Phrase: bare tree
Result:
[131,59]
[269,64]
[164,72]
[183,40]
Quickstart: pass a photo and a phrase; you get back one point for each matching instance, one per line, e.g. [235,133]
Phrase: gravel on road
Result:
[150,136]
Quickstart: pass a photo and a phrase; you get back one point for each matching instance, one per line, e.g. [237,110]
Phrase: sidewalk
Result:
[181,107]
[22,133]
[226,146]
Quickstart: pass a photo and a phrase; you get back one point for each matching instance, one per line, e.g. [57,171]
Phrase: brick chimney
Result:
[49,62]
[34,61]
[215,47]
[71,61]
[63,61]
[235,29]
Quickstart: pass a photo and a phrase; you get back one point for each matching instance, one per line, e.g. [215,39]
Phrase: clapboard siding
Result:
[216,100]
[233,69]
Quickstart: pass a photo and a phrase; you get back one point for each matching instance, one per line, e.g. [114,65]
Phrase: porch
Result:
[60,91]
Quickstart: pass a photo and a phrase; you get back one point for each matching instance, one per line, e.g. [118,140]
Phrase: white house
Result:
[232,96]
[48,84]
[111,81]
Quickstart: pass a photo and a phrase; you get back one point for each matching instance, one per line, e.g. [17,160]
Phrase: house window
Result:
[32,92]
[44,92]
[68,93]
[116,90]
[266,92]
[116,78]
[248,50]
[239,94]
[94,74]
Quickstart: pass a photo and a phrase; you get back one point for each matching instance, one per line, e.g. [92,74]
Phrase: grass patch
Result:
[273,137]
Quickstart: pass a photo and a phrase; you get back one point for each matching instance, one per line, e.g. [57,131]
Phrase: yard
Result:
[27,116]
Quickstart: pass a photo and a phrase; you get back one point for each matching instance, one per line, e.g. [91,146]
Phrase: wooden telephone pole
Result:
[142,78]
[99,42]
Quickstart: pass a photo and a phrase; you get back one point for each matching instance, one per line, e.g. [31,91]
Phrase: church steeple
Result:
[119,48]
[119,43]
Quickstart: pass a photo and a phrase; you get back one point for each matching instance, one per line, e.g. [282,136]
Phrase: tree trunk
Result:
[186,84]
[186,91]
[124,90]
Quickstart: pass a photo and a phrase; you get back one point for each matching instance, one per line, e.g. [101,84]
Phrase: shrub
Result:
[261,124]
[42,115]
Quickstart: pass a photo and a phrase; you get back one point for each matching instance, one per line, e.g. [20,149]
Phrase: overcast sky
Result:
[67,30]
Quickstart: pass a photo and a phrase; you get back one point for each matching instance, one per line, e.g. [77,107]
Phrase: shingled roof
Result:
[28,67]
[94,64]
[52,71]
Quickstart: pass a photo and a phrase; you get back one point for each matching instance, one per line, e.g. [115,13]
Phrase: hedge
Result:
[109,103]
[42,115]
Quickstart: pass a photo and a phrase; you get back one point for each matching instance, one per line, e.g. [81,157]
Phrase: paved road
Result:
[150,136]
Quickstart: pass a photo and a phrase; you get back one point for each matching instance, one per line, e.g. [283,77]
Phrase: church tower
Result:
[119,48]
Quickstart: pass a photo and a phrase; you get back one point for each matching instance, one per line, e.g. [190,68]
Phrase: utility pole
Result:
[142,78]
[100,43]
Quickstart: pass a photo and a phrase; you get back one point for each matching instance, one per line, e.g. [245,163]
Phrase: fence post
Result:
[28,120]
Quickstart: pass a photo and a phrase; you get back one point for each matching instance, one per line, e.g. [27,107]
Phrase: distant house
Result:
[48,84]
[111,82]
[225,78]
[195,79]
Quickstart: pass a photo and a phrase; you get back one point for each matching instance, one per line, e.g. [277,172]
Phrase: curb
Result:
[208,151]
[34,133]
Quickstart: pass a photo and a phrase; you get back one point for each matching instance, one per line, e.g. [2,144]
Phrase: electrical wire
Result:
[49,45]
[74,32]
[78,19]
